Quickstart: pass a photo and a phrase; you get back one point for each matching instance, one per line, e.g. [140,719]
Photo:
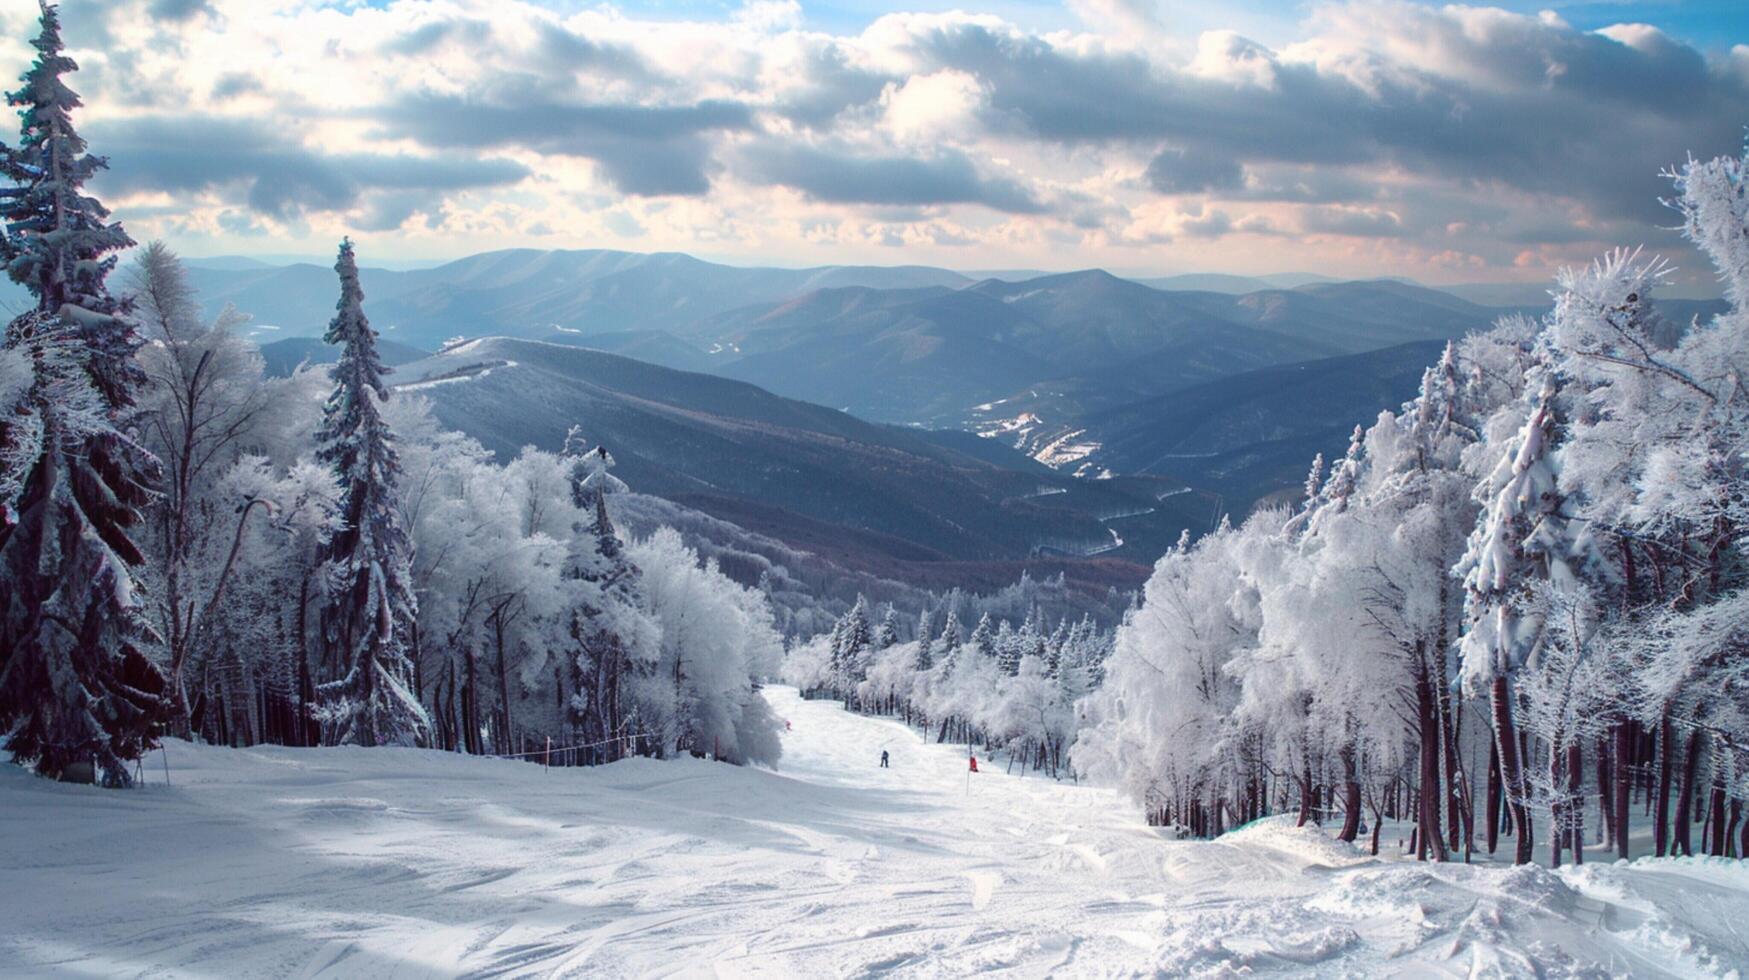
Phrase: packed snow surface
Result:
[405,863]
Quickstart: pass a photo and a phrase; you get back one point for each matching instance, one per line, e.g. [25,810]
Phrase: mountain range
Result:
[905,344]
[839,408]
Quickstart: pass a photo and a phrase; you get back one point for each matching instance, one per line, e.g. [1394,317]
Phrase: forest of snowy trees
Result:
[1519,605]
[194,548]
[190,547]
[1007,689]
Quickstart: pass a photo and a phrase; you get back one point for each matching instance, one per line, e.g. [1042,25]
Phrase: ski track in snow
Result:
[403,863]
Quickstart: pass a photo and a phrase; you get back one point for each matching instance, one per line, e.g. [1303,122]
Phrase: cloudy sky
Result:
[1449,143]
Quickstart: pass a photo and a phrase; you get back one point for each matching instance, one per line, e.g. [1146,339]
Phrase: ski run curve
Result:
[405,863]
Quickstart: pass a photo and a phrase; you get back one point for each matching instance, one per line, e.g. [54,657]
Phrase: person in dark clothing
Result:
[884,759]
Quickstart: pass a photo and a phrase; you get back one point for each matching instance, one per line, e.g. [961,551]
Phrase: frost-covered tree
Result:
[1527,532]
[925,656]
[202,405]
[369,608]
[951,633]
[852,640]
[983,638]
[1165,726]
[613,636]
[59,243]
[717,639]
[75,687]
[887,634]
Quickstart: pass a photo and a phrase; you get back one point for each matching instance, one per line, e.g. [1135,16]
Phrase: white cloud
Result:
[939,107]
[1413,130]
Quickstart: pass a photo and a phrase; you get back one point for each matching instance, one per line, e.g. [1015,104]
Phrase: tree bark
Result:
[1666,769]
[1511,772]
[1685,797]
[1494,795]
[1350,797]
[1716,818]
[1432,838]
[1626,735]
[1575,784]
[507,735]
[471,702]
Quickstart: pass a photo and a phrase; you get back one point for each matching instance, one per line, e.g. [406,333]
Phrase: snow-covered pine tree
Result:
[606,614]
[368,604]
[952,635]
[1006,647]
[58,242]
[1344,475]
[1054,648]
[1525,533]
[888,633]
[983,638]
[854,638]
[75,689]
[925,659]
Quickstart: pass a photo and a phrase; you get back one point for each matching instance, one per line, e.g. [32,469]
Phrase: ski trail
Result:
[404,863]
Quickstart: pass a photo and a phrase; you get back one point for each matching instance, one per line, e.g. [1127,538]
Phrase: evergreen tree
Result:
[1054,648]
[951,632]
[58,242]
[606,608]
[888,633]
[369,603]
[853,646]
[75,688]
[1526,534]
[925,645]
[1011,646]
[950,641]
[983,638]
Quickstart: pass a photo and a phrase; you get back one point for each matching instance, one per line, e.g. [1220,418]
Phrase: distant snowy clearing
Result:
[388,862]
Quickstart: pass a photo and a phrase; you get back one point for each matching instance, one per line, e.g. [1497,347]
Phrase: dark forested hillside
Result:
[708,439]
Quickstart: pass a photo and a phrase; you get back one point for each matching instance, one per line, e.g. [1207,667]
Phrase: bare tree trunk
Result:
[471,702]
[1666,769]
[1626,735]
[1432,839]
[1307,805]
[1575,783]
[1685,797]
[506,736]
[1716,816]
[1557,806]
[1494,795]
[1350,797]
[1511,772]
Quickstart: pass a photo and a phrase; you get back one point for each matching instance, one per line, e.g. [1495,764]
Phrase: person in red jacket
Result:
[974,763]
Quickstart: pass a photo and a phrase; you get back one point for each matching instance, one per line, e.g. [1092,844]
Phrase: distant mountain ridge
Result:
[907,344]
[729,448]
[282,357]
[531,292]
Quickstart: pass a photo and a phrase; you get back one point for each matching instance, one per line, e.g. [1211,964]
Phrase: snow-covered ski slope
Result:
[402,863]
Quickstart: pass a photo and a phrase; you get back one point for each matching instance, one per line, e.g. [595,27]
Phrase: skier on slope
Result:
[884,759]
[974,762]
